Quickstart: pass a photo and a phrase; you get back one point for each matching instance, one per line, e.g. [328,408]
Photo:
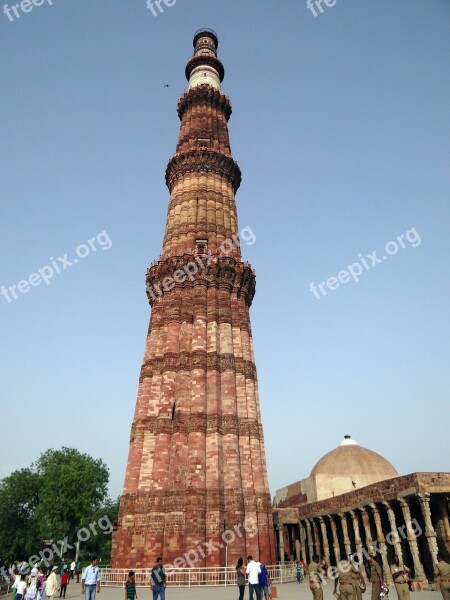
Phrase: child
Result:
[130,587]
[64,583]
[14,586]
[21,588]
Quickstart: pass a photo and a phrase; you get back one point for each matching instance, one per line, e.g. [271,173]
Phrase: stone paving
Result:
[287,591]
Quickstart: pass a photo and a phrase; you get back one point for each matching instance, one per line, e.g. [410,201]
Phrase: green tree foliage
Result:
[19,497]
[73,486]
[60,493]
[101,544]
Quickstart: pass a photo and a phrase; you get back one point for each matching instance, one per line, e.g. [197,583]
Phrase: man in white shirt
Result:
[253,570]
[90,580]
[73,566]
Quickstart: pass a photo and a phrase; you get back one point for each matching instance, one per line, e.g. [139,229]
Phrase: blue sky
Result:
[341,128]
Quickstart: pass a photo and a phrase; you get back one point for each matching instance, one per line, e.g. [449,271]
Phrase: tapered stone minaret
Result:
[196,463]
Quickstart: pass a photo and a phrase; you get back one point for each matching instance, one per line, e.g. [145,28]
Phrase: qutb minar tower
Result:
[196,464]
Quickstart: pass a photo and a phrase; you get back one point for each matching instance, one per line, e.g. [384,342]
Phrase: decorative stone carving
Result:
[203,161]
[204,95]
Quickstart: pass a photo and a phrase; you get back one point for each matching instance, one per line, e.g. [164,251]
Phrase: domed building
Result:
[354,501]
[347,467]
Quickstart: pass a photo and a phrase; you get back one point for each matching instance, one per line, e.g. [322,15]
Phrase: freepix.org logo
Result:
[46,273]
[365,263]
[15,11]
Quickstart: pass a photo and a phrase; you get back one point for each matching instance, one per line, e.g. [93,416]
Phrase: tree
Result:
[60,493]
[19,497]
[73,487]
[101,544]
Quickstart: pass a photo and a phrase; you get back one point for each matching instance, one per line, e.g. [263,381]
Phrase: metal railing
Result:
[196,577]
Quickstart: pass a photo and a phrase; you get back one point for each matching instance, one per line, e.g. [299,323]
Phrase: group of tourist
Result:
[349,582]
[39,584]
[255,571]
[49,583]
[258,579]
[349,579]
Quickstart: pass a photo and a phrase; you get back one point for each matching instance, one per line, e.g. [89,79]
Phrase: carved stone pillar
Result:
[382,544]
[444,522]
[310,539]
[412,540]
[430,533]
[316,538]
[336,548]
[356,530]
[302,540]
[326,545]
[367,530]
[347,544]
[297,549]
[394,531]
[280,530]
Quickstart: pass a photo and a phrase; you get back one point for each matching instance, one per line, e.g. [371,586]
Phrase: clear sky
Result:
[341,127]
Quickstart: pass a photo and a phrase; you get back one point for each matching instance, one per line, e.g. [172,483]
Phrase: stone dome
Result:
[350,459]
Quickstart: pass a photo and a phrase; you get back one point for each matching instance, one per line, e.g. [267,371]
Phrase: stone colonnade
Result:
[402,527]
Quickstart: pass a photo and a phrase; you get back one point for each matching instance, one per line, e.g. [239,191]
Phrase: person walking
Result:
[299,571]
[401,575]
[359,585]
[32,588]
[130,587]
[14,585]
[73,566]
[264,582]
[345,580]
[64,583]
[442,572]
[21,588]
[79,570]
[240,577]
[52,584]
[376,578]
[158,580]
[253,570]
[315,578]
[90,581]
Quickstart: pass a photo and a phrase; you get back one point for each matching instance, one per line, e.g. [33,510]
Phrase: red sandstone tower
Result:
[196,463]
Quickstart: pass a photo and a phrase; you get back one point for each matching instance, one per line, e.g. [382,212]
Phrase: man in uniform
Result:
[344,577]
[315,578]
[442,572]
[376,577]
[400,575]
[357,578]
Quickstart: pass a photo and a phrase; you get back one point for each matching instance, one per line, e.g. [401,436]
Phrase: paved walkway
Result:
[287,591]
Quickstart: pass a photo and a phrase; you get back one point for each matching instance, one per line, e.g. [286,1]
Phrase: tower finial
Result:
[206,32]
[204,67]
